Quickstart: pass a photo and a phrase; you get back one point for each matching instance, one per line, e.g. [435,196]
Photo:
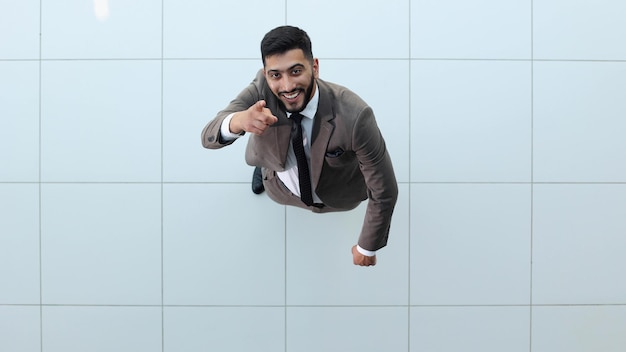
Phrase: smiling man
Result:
[315,143]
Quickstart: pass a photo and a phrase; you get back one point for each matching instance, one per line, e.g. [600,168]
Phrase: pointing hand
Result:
[256,119]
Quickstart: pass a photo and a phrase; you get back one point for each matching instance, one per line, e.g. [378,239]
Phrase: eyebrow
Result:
[289,69]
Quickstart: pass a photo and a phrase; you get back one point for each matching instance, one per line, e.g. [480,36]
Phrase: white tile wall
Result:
[101,121]
[583,226]
[20,328]
[354,29]
[471,29]
[581,30]
[337,329]
[504,120]
[19,243]
[578,328]
[211,256]
[101,244]
[218,29]
[471,121]
[224,328]
[75,29]
[19,125]
[470,244]
[476,328]
[19,29]
[99,329]
[579,121]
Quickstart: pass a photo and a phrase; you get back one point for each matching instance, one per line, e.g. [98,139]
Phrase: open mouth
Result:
[292,96]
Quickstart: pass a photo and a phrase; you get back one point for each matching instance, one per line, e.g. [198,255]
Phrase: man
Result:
[317,143]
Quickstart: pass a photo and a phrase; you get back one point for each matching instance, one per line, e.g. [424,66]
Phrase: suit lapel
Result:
[322,131]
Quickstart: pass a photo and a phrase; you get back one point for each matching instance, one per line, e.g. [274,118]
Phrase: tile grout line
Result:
[245,182]
[285,234]
[317,305]
[285,273]
[532,172]
[322,58]
[162,167]
[410,77]
[39,186]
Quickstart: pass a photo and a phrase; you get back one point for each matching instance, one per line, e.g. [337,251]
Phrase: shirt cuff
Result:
[225,132]
[365,252]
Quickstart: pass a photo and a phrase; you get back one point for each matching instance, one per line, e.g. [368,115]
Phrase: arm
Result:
[382,188]
[246,113]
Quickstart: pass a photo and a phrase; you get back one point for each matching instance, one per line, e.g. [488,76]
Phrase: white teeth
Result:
[291,96]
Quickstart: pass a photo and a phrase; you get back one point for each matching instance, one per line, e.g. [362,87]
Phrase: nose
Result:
[287,84]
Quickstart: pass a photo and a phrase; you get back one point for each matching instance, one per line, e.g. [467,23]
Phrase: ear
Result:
[316,68]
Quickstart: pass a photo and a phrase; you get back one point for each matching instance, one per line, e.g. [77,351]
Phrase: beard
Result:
[308,92]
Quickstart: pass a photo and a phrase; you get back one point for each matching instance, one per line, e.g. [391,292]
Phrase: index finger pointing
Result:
[269,119]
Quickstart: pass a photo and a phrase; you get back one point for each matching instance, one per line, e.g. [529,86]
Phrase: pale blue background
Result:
[505,120]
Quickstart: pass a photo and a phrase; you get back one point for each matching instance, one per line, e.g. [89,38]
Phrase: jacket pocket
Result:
[339,158]
[334,153]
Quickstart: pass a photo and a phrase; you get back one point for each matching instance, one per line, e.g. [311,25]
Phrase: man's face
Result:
[291,77]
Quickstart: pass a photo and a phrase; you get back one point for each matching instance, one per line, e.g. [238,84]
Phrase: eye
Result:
[296,71]
[275,75]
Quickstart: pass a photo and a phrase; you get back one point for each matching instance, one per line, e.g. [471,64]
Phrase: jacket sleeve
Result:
[382,187]
[211,136]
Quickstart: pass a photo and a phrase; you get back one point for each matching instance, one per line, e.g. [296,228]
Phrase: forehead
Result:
[284,61]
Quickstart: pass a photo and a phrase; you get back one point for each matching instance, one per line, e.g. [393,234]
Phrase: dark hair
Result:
[282,39]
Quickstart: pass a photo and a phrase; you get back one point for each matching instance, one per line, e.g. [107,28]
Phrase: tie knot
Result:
[297,117]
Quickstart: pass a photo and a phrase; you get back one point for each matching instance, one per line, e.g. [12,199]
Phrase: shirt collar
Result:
[311,108]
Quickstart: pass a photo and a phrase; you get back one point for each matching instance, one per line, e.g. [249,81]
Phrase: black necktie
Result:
[303,165]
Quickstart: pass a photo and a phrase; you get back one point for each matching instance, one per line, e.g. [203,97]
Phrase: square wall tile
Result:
[101,29]
[579,124]
[224,329]
[338,329]
[579,328]
[101,121]
[485,329]
[579,244]
[470,244]
[222,245]
[584,30]
[475,29]
[19,121]
[100,329]
[320,270]
[101,244]
[353,28]
[19,244]
[20,328]
[470,121]
[193,93]
[392,115]
[218,29]
[19,30]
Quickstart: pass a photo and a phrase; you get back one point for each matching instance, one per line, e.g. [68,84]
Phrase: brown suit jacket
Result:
[349,159]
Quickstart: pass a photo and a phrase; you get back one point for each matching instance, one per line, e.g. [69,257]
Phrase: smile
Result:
[293,95]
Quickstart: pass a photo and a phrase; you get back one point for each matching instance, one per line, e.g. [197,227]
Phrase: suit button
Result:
[211,139]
